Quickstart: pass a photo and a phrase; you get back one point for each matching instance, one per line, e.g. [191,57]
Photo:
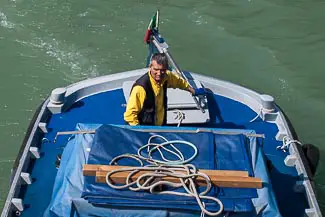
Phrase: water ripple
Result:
[6,124]
[4,21]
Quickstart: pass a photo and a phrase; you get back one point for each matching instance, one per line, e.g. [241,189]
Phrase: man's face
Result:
[157,71]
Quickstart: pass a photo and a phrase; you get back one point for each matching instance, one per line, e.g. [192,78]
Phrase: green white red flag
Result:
[153,25]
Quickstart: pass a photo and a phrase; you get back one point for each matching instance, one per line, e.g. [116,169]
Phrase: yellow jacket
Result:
[138,95]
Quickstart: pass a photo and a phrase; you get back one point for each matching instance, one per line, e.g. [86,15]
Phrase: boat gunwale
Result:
[23,157]
[82,89]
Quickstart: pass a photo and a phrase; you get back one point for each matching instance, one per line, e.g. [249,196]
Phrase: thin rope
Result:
[180,116]
[151,181]
[152,147]
[286,142]
[260,113]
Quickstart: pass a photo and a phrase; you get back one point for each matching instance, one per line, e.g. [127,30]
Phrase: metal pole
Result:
[169,56]
[177,68]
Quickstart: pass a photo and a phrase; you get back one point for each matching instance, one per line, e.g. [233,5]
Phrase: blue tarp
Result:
[67,201]
[222,152]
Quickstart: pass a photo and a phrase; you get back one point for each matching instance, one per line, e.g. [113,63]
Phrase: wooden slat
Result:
[91,169]
[221,181]
[221,178]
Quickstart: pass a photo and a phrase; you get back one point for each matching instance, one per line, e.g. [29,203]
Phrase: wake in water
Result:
[76,62]
[72,63]
[4,21]
[197,18]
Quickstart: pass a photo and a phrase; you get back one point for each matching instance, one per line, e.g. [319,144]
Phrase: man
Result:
[147,104]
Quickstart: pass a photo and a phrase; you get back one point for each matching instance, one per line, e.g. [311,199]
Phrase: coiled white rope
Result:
[160,147]
[151,179]
[148,182]
[286,142]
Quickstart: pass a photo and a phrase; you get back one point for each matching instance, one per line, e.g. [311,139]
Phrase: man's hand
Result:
[199,91]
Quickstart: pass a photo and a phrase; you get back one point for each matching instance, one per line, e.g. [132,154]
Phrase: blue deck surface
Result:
[107,108]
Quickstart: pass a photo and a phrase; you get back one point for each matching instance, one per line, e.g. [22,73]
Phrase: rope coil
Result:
[151,179]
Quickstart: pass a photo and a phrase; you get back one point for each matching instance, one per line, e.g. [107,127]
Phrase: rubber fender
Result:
[312,154]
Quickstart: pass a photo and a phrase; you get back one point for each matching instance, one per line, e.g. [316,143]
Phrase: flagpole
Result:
[162,48]
[179,71]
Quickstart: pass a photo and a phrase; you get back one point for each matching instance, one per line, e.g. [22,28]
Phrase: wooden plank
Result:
[221,181]
[91,169]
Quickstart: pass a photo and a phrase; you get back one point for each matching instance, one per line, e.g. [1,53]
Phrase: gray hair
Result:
[161,59]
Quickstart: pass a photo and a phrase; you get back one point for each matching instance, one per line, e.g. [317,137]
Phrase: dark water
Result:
[275,47]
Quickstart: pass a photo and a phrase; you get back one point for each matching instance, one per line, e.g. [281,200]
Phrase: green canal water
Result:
[271,46]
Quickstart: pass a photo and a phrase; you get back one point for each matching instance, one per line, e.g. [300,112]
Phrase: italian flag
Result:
[153,25]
